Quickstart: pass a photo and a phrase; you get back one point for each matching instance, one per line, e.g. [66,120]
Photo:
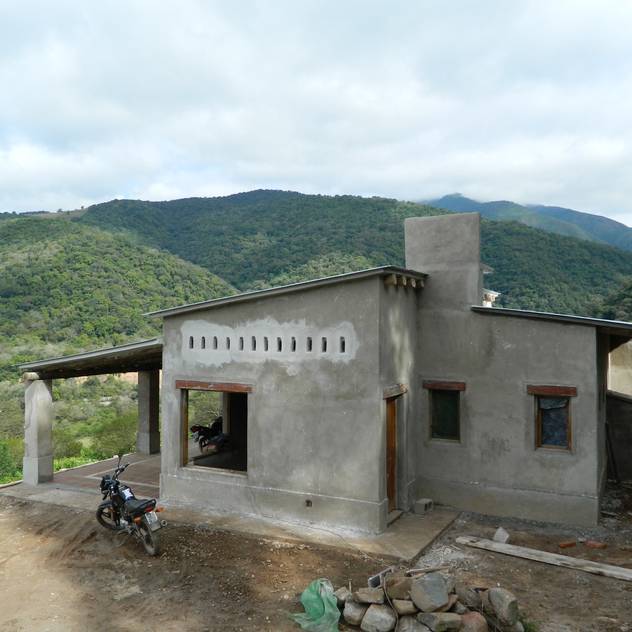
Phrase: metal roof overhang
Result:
[145,355]
[619,331]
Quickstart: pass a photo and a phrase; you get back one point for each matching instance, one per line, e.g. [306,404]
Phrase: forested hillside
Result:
[269,237]
[65,286]
[555,219]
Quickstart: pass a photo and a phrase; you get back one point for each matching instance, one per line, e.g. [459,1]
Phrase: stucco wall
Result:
[314,427]
[398,365]
[496,468]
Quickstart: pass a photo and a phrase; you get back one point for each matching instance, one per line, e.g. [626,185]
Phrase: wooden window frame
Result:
[548,390]
[184,386]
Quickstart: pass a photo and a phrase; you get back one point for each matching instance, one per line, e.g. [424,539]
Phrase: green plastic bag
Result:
[321,608]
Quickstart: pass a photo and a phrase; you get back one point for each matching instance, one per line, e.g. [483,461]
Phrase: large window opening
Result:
[216,426]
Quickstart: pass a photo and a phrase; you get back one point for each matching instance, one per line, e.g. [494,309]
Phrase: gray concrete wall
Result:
[398,365]
[315,425]
[495,468]
[37,464]
[619,406]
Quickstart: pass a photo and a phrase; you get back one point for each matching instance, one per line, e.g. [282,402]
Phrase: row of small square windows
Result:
[309,345]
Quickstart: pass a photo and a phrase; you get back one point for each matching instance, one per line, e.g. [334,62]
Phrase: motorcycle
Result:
[210,439]
[126,514]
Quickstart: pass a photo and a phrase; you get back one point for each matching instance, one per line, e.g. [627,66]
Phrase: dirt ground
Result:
[553,599]
[61,571]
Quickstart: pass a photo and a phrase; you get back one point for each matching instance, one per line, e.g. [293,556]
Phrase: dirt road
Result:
[61,572]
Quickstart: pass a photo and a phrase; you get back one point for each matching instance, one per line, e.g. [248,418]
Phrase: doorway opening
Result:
[215,429]
[391,453]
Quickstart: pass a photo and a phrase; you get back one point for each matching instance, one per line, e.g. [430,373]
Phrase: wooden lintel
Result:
[391,279]
[552,391]
[395,391]
[443,385]
[224,387]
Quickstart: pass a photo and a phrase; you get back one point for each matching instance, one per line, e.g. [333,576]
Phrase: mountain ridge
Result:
[556,219]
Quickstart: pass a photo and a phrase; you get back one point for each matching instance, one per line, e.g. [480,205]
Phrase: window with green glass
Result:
[445,414]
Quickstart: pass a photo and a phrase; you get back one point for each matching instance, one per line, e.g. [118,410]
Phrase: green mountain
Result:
[556,219]
[263,238]
[65,286]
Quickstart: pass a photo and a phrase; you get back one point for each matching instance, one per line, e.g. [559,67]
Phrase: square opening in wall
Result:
[217,425]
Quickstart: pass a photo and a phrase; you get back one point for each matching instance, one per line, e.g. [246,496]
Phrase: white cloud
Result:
[527,100]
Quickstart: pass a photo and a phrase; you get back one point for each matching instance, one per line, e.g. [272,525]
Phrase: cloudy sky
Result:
[522,100]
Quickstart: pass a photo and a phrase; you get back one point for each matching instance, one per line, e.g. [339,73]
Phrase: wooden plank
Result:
[224,387]
[578,564]
[394,391]
[552,391]
[439,385]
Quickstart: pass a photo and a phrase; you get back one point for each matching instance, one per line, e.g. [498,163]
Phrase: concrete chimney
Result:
[448,249]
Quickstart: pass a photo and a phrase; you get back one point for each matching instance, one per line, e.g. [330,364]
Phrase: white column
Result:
[38,430]
[148,438]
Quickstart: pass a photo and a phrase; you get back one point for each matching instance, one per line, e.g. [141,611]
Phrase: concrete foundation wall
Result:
[314,424]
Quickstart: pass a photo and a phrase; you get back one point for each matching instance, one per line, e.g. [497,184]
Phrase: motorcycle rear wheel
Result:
[106,517]
[149,538]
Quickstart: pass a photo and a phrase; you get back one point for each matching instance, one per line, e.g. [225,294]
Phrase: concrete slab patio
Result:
[78,488]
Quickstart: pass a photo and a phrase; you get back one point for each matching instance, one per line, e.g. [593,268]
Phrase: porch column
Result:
[37,466]
[148,438]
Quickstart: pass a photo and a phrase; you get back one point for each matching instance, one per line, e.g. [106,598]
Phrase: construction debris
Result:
[501,536]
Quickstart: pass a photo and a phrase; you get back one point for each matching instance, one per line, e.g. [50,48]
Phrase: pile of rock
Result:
[426,602]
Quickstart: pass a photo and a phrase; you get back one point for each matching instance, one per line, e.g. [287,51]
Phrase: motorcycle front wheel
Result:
[149,538]
[106,516]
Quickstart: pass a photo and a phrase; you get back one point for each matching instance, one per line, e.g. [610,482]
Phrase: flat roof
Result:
[288,289]
[615,327]
[145,355]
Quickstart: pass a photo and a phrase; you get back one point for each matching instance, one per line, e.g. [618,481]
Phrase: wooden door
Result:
[391,453]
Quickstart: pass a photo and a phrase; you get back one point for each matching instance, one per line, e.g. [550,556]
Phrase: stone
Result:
[440,621]
[468,596]
[450,582]
[452,599]
[428,592]
[501,536]
[369,595]
[341,595]
[404,607]
[410,624]
[354,612]
[459,608]
[378,619]
[504,604]
[474,622]
[397,586]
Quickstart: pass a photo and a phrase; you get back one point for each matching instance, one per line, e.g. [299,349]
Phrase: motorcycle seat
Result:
[138,506]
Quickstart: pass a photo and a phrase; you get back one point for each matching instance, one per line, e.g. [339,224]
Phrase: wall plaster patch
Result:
[211,344]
